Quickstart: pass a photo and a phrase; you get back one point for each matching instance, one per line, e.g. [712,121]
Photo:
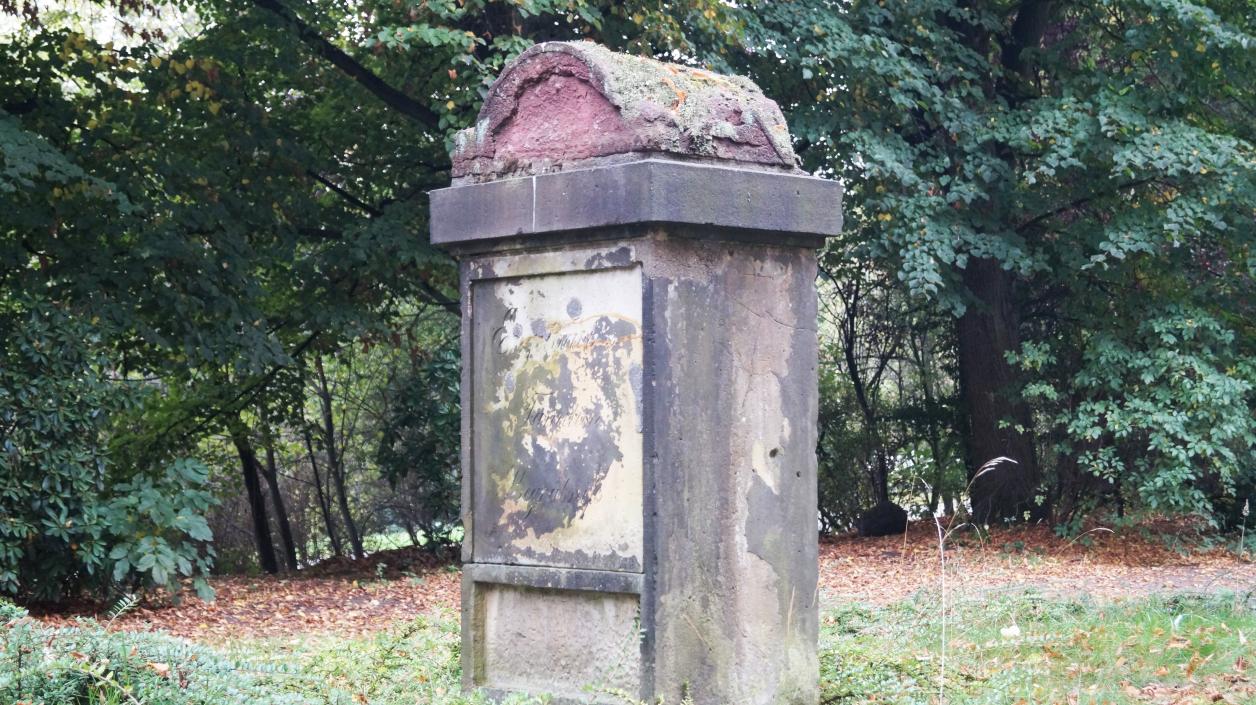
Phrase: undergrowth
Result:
[1002,649]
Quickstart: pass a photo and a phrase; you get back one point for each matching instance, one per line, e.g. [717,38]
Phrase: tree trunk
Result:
[334,460]
[271,473]
[324,502]
[257,502]
[881,471]
[990,327]
[414,535]
[986,331]
[342,498]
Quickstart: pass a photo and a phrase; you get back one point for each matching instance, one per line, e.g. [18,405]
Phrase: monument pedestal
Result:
[639,385]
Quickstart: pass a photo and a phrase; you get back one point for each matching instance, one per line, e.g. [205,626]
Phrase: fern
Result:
[125,604]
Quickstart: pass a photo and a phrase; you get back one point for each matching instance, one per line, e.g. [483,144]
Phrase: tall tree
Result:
[209,195]
[270,471]
[999,424]
[1049,173]
[321,494]
[333,447]
[250,470]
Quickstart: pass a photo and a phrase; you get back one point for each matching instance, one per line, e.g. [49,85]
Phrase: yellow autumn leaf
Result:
[1193,664]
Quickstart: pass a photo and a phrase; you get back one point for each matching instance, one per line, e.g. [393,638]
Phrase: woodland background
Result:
[228,345]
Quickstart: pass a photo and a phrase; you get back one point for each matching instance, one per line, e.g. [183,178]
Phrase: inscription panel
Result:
[556,426]
[567,643]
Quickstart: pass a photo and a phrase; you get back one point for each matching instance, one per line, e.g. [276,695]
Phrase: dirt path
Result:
[262,607]
[351,599]
[1107,567]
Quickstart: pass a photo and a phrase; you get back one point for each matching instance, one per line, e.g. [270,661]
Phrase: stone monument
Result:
[639,390]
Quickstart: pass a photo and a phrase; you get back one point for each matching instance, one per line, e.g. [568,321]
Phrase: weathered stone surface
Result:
[556,393]
[728,401]
[563,103]
[639,385]
[566,643]
[735,608]
[646,191]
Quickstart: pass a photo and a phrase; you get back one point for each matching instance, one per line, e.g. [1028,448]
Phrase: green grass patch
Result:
[1024,648]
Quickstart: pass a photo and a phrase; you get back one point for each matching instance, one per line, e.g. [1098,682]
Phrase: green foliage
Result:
[887,396]
[89,665]
[415,662]
[53,453]
[1024,647]
[214,199]
[951,158]
[842,454]
[1108,163]
[999,649]
[419,444]
[159,527]
[67,519]
[1163,409]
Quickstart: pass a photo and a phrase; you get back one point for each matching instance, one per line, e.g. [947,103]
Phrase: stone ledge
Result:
[657,191]
[551,578]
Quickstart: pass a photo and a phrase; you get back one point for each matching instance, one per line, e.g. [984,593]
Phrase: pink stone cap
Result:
[562,105]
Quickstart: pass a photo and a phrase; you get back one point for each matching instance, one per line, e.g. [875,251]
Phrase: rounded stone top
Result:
[562,104]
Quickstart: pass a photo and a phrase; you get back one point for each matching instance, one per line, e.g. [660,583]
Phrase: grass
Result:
[415,663]
[1005,649]
[1025,648]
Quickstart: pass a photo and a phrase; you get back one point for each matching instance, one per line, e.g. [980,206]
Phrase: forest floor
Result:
[1102,564]
[350,598]
[1140,616]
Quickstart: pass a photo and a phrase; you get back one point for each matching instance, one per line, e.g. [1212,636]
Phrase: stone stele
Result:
[639,391]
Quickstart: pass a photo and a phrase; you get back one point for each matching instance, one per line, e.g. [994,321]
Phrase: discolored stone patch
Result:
[557,465]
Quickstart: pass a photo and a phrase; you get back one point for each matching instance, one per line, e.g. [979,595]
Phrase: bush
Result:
[69,519]
[1160,412]
[87,664]
[90,665]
